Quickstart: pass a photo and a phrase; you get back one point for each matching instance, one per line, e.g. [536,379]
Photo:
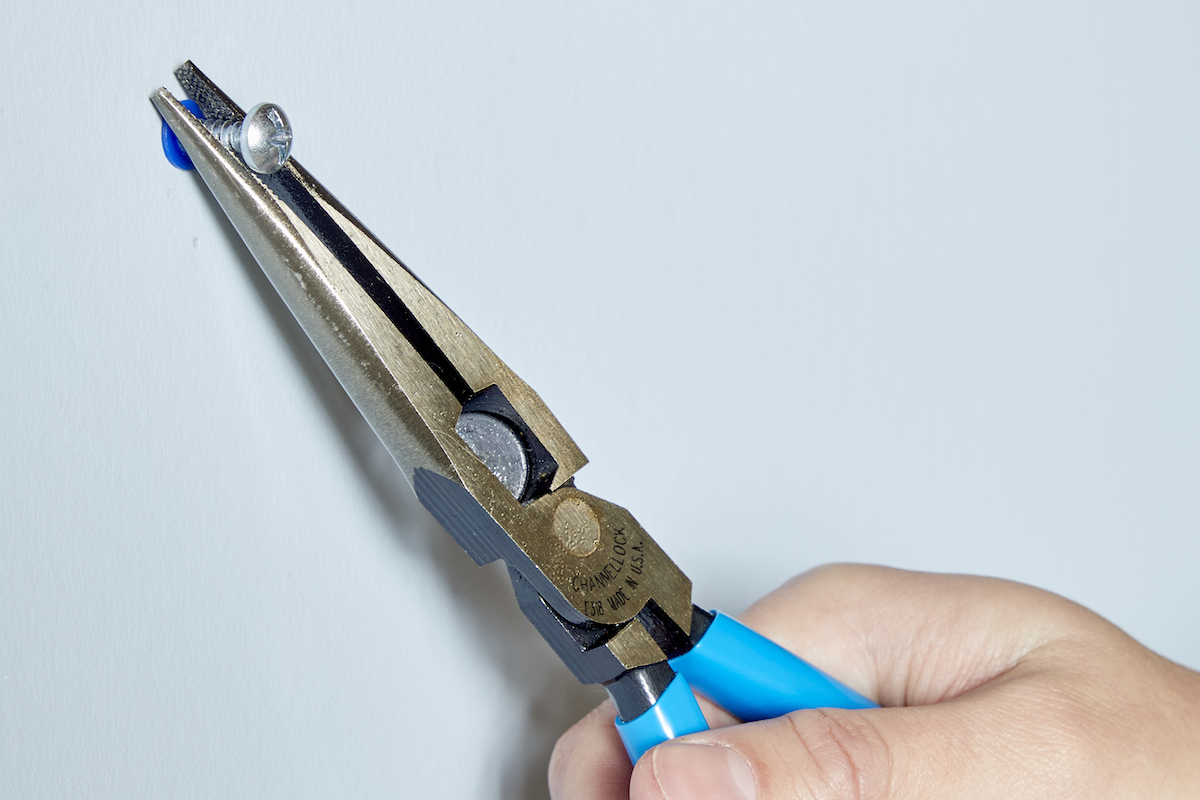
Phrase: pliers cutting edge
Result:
[488,459]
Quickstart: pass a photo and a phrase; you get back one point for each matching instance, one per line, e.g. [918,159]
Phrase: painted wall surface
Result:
[916,284]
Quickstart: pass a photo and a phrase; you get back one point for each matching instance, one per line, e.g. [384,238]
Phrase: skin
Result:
[991,689]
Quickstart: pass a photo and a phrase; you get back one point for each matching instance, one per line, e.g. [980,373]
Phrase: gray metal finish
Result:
[498,447]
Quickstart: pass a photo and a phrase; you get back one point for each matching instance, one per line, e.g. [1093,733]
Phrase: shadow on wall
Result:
[552,698]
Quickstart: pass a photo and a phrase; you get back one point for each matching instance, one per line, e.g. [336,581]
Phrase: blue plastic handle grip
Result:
[753,678]
[674,714]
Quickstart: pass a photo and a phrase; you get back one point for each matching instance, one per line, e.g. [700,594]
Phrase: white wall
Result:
[906,283]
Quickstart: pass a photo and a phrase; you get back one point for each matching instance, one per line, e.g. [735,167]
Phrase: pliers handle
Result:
[744,672]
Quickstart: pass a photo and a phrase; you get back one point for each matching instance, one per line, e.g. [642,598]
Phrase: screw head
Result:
[266,138]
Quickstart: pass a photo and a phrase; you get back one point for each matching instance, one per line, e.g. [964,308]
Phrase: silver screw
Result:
[264,138]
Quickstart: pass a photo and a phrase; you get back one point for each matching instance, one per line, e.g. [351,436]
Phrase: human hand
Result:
[990,689]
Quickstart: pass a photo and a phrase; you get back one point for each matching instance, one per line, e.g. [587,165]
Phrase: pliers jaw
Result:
[490,461]
[481,449]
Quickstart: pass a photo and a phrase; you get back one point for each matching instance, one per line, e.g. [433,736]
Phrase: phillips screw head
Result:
[264,138]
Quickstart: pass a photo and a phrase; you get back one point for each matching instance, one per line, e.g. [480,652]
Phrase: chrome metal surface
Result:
[263,137]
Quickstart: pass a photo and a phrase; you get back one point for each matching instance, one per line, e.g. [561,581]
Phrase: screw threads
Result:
[227,132]
[263,139]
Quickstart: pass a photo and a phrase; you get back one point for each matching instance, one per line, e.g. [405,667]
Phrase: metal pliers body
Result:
[489,460]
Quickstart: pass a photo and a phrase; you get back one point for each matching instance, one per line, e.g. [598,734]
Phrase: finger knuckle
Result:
[846,756]
[833,572]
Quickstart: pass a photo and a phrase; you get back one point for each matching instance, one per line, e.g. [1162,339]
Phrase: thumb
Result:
[820,754]
[981,746]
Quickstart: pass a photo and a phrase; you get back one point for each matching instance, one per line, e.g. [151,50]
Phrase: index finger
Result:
[589,761]
[909,638]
